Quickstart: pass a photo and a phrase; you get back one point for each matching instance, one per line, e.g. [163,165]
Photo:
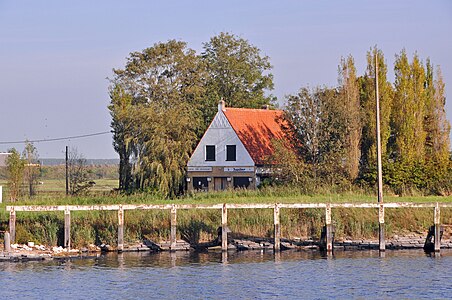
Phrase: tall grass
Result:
[97,227]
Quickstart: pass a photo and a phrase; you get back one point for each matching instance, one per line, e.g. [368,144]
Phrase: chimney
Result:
[221,105]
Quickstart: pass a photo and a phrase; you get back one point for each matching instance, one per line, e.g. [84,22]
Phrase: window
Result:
[231,153]
[200,183]
[210,152]
[241,182]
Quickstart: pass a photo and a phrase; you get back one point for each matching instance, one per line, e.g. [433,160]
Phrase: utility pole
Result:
[67,175]
[381,209]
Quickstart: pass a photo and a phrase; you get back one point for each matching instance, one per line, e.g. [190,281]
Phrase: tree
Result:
[79,181]
[32,166]
[120,107]
[15,167]
[318,121]
[349,102]
[407,118]
[156,106]
[436,125]
[238,72]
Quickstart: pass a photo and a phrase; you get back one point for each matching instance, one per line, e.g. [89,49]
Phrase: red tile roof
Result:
[256,128]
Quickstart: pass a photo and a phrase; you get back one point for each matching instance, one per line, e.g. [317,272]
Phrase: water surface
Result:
[250,275]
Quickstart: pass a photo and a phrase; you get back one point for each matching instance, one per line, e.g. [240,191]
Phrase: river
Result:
[249,275]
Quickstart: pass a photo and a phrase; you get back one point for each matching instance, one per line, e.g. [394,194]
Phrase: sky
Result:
[56,56]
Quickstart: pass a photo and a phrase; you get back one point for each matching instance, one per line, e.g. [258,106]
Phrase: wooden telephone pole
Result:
[381,211]
[67,175]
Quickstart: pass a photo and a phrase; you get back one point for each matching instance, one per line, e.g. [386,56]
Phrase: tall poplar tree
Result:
[349,100]
[436,125]
[407,117]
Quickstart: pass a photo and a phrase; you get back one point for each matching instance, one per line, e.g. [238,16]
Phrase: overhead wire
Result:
[55,139]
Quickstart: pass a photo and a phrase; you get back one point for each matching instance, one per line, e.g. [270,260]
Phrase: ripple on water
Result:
[290,274]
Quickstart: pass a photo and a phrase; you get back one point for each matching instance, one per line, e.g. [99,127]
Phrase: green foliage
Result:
[164,99]
[32,166]
[349,104]
[237,72]
[336,133]
[408,111]
[15,166]
[319,122]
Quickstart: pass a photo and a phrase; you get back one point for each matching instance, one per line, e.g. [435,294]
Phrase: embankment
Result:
[195,226]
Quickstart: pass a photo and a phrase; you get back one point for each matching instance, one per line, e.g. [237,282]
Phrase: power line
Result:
[56,139]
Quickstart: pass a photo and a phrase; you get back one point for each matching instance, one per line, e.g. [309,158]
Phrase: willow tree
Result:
[367,98]
[156,103]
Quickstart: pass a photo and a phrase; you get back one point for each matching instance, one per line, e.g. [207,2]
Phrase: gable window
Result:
[231,153]
[210,152]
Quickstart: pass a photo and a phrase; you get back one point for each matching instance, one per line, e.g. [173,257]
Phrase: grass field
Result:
[59,186]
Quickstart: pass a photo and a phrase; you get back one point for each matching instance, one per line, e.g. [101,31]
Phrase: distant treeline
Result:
[62,161]
[166,96]
[93,172]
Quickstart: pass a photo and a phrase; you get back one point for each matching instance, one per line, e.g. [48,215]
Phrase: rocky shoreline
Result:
[31,252]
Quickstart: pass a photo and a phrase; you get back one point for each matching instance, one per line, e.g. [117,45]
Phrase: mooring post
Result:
[276,218]
[224,228]
[120,229]
[173,228]
[12,224]
[7,242]
[67,228]
[381,226]
[437,220]
[329,228]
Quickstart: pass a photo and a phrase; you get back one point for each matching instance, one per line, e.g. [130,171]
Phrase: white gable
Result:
[220,134]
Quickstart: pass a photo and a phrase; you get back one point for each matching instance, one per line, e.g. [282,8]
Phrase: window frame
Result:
[206,156]
[235,152]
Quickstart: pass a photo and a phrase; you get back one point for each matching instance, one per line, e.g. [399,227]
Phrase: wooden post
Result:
[12,225]
[277,231]
[67,228]
[120,229]
[173,228]
[437,228]
[67,172]
[224,228]
[7,242]
[329,228]
[381,226]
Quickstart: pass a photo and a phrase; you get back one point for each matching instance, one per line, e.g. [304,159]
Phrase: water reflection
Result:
[248,274]
[174,259]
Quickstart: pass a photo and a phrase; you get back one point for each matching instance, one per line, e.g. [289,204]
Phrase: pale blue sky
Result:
[55,56]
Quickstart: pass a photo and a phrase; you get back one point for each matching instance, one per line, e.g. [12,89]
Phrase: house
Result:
[234,150]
